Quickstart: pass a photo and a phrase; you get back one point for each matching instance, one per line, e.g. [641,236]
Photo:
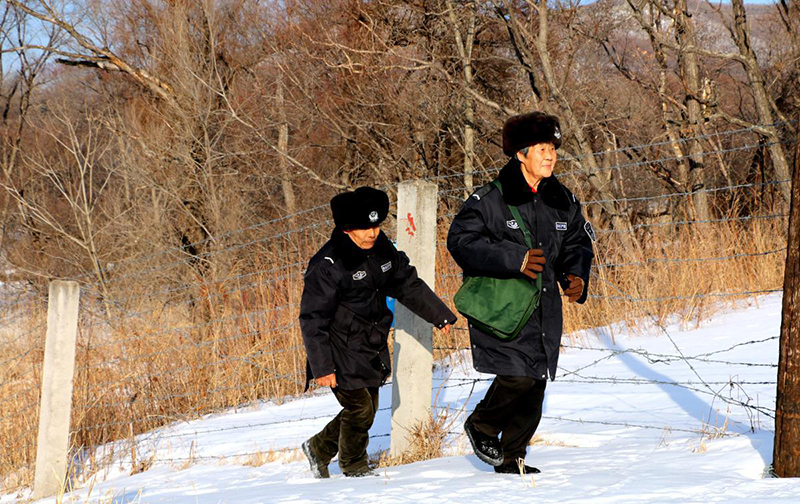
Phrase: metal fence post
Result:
[59,366]
[413,337]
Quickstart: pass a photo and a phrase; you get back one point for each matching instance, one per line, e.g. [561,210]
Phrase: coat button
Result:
[544,289]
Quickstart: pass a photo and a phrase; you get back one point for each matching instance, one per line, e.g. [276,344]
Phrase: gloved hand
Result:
[575,289]
[534,263]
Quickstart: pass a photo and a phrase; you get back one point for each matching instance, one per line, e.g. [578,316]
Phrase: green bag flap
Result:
[500,306]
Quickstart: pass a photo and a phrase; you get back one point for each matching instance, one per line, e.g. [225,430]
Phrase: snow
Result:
[616,428]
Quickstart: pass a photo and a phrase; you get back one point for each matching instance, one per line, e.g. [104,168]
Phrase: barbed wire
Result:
[610,423]
[688,296]
[252,425]
[696,221]
[195,346]
[205,255]
[150,376]
[689,193]
[689,259]
[664,330]
[669,159]
[209,283]
[131,402]
[200,325]
[642,146]
[182,248]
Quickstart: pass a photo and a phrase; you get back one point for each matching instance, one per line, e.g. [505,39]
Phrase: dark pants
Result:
[348,433]
[513,406]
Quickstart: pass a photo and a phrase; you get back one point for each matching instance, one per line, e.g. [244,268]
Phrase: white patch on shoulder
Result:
[328,258]
[477,196]
[512,224]
[386,267]
[359,275]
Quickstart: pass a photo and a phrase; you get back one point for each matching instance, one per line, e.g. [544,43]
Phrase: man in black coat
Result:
[345,323]
[486,240]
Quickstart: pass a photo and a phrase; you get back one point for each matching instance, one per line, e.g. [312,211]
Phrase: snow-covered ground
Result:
[619,426]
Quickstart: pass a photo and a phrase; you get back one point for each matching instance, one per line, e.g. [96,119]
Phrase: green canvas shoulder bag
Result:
[500,306]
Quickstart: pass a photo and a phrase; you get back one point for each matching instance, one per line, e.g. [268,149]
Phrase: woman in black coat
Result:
[486,240]
[345,323]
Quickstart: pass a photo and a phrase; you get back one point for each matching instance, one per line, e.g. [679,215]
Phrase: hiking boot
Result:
[360,472]
[514,469]
[486,447]
[318,468]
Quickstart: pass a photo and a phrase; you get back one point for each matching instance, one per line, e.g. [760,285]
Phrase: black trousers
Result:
[512,406]
[348,433]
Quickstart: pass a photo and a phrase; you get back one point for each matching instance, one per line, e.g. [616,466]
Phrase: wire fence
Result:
[173,334]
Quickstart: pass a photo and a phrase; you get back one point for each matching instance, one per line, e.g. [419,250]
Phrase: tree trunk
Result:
[464,47]
[786,453]
[283,148]
[691,81]
[617,215]
[761,97]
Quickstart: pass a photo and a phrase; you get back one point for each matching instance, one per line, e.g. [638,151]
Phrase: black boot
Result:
[513,468]
[318,467]
[486,447]
[360,472]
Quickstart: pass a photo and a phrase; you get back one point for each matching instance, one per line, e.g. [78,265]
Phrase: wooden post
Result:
[786,453]
[59,366]
[412,369]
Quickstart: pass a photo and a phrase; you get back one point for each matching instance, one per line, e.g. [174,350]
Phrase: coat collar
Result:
[352,255]
[516,190]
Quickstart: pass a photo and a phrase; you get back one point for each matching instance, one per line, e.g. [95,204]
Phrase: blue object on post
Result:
[390,304]
[390,300]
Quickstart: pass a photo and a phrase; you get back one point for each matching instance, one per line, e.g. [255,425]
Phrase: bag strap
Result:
[517,216]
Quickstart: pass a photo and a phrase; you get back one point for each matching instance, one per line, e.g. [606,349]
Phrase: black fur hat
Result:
[523,130]
[363,208]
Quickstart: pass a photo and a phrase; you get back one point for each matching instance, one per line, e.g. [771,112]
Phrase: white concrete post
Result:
[59,366]
[413,337]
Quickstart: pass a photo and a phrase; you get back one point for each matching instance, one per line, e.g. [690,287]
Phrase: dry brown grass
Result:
[426,441]
[209,345]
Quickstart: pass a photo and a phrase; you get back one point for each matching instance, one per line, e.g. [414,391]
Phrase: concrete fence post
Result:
[59,366]
[413,337]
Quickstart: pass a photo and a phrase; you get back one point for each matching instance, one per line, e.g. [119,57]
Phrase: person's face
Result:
[364,238]
[540,160]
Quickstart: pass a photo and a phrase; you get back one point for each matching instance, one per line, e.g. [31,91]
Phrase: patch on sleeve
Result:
[590,231]
[359,275]
[512,224]
[482,191]
[561,226]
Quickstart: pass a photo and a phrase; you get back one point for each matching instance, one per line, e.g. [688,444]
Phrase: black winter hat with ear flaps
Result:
[524,130]
[364,208]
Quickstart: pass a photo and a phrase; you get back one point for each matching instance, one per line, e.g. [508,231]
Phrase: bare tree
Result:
[529,32]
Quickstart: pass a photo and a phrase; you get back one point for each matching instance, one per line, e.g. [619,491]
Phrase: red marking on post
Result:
[411,228]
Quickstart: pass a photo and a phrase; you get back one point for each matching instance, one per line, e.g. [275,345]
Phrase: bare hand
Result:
[327,380]
[535,264]
[446,329]
[575,289]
